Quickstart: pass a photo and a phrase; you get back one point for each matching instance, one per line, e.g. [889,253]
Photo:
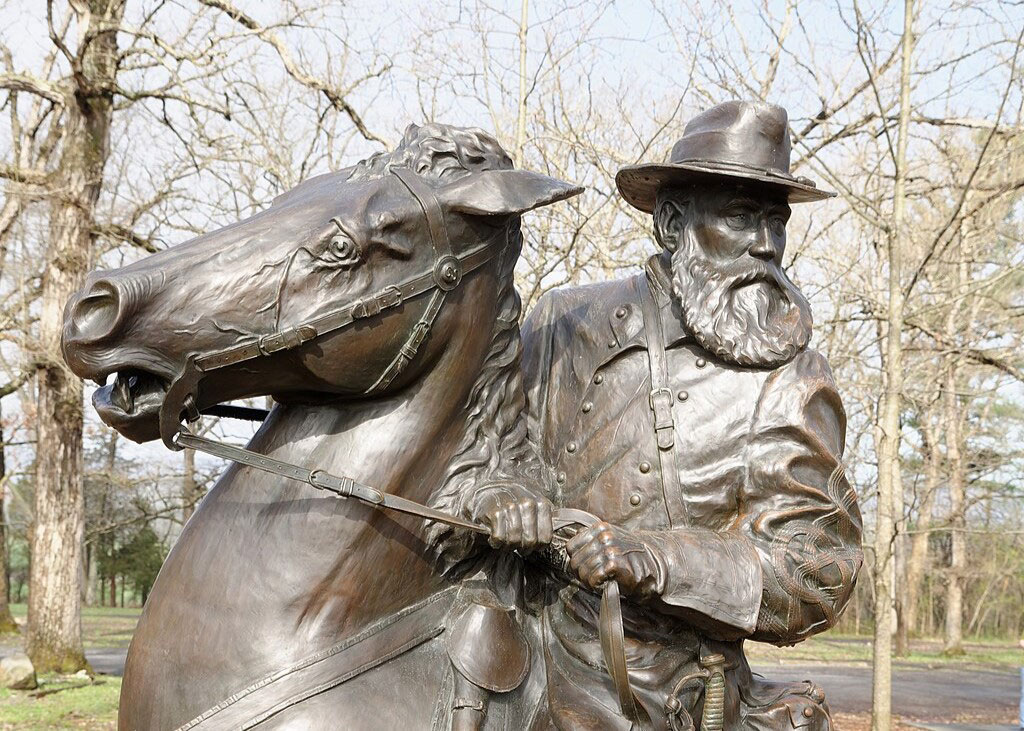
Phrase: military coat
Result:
[769,546]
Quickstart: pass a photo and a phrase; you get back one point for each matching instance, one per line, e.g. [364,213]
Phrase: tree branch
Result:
[32,85]
[122,233]
[334,96]
[26,176]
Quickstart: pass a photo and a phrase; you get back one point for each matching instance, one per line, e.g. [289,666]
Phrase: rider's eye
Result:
[737,219]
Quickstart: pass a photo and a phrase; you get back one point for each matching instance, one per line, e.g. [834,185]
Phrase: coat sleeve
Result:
[799,509]
[786,569]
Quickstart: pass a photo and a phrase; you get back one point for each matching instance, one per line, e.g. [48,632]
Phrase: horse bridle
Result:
[446,274]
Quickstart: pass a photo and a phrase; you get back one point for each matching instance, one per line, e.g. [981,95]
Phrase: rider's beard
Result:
[747,311]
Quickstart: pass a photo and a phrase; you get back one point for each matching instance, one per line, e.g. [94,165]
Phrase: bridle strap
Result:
[412,344]
[424,195]
[445,275]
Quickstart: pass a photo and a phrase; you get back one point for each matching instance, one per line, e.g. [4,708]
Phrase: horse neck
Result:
[400,443]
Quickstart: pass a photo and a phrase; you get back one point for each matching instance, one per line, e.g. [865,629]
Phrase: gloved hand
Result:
[605,552]
[518,518]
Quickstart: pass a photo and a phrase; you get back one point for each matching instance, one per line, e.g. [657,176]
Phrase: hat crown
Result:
[744,133]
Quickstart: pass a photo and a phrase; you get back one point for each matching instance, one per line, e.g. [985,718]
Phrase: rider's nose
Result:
[764,244]
[98,311]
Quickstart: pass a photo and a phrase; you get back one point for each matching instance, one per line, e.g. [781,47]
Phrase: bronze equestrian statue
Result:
[683,406]
[377,306]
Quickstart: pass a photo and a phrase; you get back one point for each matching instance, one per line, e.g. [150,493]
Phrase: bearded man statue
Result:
[683,408]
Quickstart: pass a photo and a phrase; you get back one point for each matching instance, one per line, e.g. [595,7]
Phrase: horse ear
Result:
[504,192]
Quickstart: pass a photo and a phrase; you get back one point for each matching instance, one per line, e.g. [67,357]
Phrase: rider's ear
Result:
[504,192]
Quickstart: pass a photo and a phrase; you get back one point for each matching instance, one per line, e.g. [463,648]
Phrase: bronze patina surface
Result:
[683,406]
[660,472]
[283,606]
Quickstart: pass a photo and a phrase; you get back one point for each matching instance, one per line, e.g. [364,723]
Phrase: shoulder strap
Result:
[660,401]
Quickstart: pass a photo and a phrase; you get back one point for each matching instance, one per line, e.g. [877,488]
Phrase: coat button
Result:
[611,343]
[634,499]
[587,406]
[570,447]
[620,313]
[645,467]
[682,395]
[560,478]
[701,362]
[598,378]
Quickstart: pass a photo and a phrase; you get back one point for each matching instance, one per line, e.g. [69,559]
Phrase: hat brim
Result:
[639,184]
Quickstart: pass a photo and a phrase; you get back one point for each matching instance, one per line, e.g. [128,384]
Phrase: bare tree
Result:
[117,60]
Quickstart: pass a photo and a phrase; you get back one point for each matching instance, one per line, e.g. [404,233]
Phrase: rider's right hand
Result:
[517,517]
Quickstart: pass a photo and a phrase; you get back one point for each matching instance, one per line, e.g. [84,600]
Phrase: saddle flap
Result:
[487,645]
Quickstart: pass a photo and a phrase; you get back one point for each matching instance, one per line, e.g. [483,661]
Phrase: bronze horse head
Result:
[336,238]
[329,301]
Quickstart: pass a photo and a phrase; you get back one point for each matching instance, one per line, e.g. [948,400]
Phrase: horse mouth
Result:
[131,404]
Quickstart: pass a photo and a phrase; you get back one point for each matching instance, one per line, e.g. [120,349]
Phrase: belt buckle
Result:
[390,297]
[667,392]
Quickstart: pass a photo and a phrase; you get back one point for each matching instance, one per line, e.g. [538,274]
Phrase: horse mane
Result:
[494,448]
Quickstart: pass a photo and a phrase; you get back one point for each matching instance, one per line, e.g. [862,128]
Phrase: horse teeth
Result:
[124,392]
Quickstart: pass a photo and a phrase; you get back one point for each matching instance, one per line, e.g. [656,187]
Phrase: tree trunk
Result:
[889,482]
[7,623]
[90,575]
[55,600]
[953,635]
[919,541]
[524,16]
[188,487]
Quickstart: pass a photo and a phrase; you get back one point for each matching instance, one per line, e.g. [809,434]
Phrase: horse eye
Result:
[342,246]
[341,250]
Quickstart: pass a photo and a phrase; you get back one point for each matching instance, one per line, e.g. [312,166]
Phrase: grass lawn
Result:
[101,626]
[62,702]
[835,648]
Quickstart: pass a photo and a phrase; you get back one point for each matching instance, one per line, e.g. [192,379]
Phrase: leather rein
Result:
[446,274]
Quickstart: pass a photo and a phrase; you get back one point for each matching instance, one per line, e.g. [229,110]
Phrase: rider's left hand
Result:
[519,518]
[605,552]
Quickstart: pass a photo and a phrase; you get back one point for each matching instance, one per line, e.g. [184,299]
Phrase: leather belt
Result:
[660,401]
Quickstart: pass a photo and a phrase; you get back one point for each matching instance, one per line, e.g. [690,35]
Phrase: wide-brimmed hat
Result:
[738,140]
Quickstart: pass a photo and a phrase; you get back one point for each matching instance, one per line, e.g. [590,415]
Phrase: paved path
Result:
[105,660]
[961,727]
[918,692]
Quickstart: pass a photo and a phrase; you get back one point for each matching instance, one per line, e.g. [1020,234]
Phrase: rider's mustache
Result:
[741,272]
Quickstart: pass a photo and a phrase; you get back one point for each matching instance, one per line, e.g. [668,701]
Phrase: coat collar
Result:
[626,321]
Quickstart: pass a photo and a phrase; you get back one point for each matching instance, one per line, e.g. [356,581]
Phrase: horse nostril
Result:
[97,313]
